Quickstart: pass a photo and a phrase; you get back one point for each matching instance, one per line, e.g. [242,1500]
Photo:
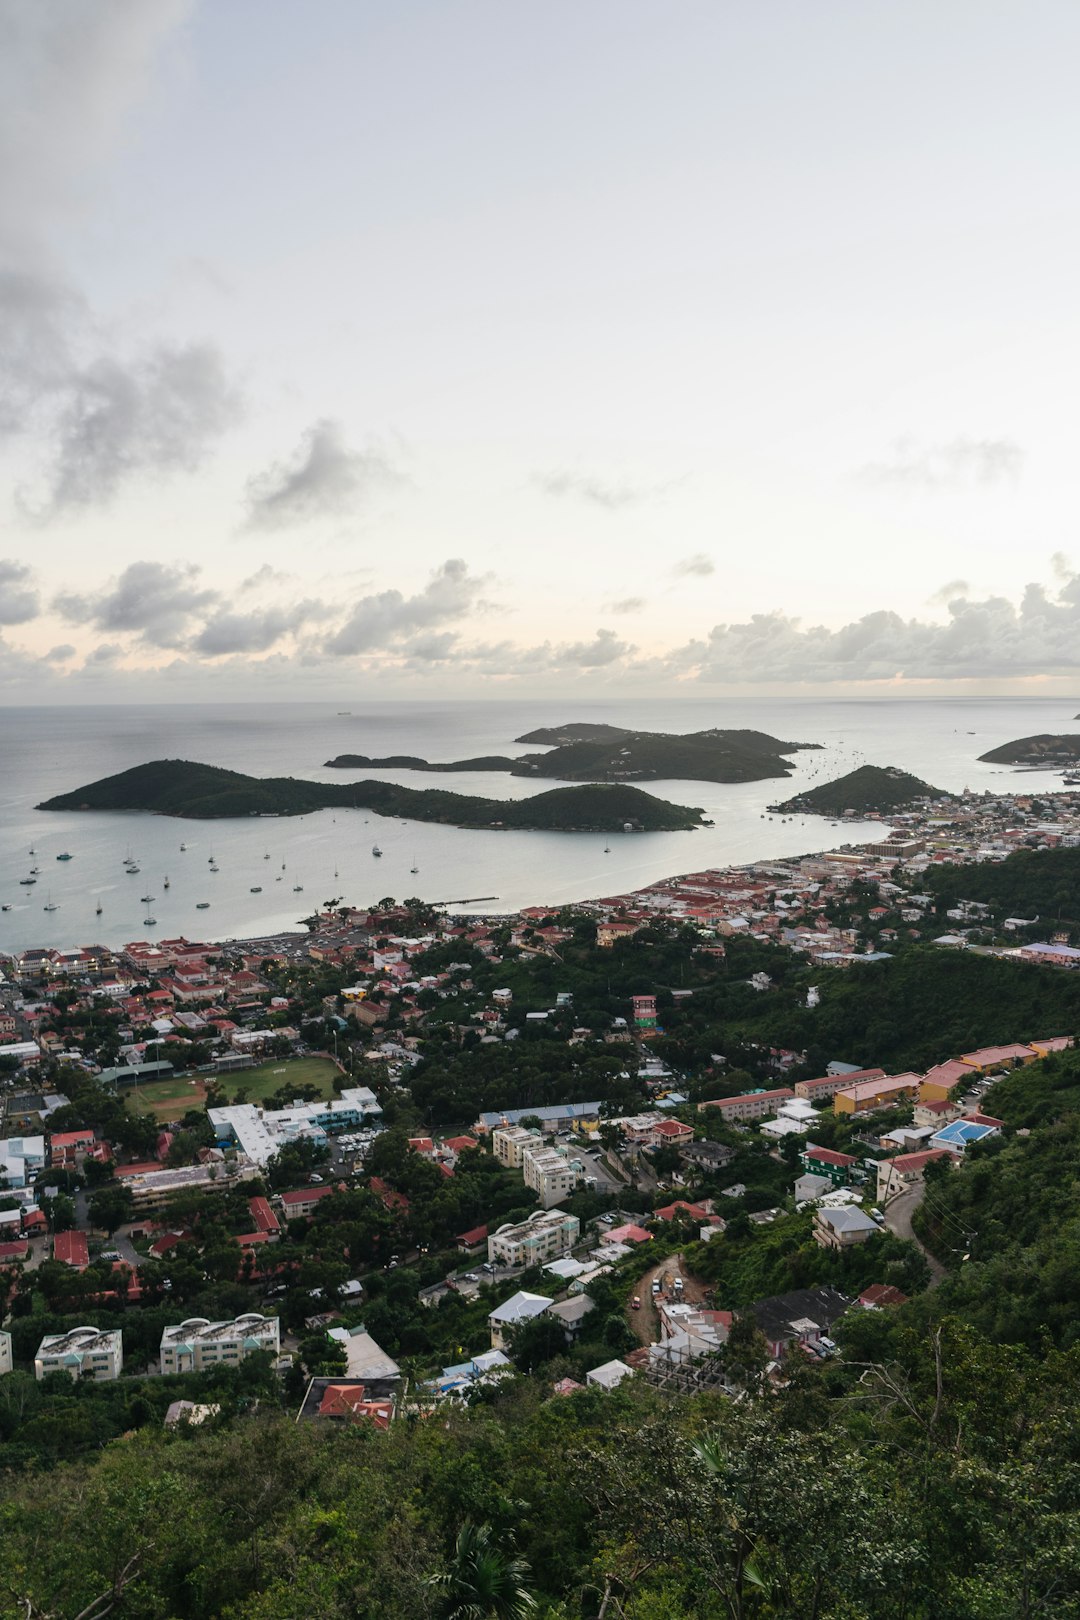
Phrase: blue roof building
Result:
[961,1133]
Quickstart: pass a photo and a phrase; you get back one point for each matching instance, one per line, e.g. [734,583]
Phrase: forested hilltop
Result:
[180,787]
[881,788]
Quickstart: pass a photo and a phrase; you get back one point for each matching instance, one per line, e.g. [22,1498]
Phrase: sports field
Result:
[170,1099]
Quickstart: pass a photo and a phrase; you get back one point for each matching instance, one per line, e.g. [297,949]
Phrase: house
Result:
[365,1360]
[895,1176]
[264,1217]
[936,1114]
[961,1133]
[843,1228]
[626,1234]
[706,1155]
[471,1241]
[66,1147]
[83,1352]
[520,1307]
[72,1249]
[871,1094]
[880,1295]
[809,1187]
[546,1235]
[671,1133]
[750,1106]
[681,1210]
[190,1412]
[827,1162]
[798,1318]
[6,1362]
[350,1400]
[303,1201]
[989,1059]
[940,1083]
[198,1343]
[610,1375]
[826,1087]
[572,1313]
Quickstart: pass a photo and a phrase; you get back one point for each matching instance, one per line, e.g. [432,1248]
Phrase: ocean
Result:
[46,751]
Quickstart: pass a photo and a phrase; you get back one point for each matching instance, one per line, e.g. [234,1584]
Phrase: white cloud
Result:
[698,566]
[19,600]
[323,478]
[154,601]
[959,464]
[383,617]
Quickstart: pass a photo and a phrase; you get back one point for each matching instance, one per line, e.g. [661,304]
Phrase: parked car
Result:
[656,1286]
[635,1303]
[876,1215]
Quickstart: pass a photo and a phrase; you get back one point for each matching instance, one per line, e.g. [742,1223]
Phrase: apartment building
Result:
[825,1088]
[196,1344]
[546,1235]
[872,1094]
[750,1106]
[843,1228]
[549,1173]
[895,1176]
[6,1362]
[84,1352]
[510,1142]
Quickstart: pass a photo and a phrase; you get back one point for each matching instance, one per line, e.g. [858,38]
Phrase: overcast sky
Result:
[578,346]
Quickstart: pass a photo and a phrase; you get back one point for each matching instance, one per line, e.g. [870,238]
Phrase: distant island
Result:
[880,788]
[180,787]
[1048,750]
[584,752]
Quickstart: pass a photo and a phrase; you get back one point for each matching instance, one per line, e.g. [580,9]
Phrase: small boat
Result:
[64,857]
[98,909]
[266,857]
[26,882]
[50,905]
[607,849]
[33,851]
[414,869]
[256,888]
[146,898]
[6,906]
[167,883]
[210,860]
[375,850]
[298,888]
[133,871]
[149,922]
[183,849]
[202,905]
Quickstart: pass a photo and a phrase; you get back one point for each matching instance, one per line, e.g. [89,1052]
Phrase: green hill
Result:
[1062,748]
[882,788]
[589,753]
[179,787]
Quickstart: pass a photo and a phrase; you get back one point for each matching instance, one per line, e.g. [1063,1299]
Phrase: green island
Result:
[584,752]
[883,788]
[1047,749]
[180,787]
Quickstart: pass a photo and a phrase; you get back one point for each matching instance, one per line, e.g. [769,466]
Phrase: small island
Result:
[583,752]
[881,789]
[1049,751]
[180,787]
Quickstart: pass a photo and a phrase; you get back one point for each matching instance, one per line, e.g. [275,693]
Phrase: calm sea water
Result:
[46,751]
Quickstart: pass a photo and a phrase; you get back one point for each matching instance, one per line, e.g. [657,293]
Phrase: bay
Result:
[45,751]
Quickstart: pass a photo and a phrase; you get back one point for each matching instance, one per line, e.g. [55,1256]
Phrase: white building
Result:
[510,1142]
[85,1352]
[549,1174]
[21,1157]
[520,1307]
[610,1374]
[365,1359]
[544,1236]
[6,1362]
[260,1132]
[196,1344]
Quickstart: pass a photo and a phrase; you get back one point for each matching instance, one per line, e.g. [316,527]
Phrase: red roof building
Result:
[72,1249]
[671,1212]
[263,1216]
[474,1239]
[879,1295]
[459,1144]
[386,1195]
[349,1403]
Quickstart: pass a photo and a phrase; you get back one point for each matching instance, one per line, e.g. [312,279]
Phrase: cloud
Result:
[699,566]
[323,478]
[981,639]
[961,463]
[19,601]
[60,654]
[378,620]
[253,632]
[70,74]
[154,601]
[605,648]
[628,604]
[948,593]
[580,486]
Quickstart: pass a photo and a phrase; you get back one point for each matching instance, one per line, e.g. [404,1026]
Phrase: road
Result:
[898,1213]
[644,1321]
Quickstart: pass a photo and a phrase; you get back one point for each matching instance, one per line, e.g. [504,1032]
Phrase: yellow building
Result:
[871,1094]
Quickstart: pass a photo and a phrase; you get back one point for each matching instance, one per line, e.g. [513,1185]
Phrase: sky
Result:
[485,349]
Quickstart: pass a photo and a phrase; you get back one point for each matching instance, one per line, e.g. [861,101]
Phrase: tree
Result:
[110,1207]
[483,1581]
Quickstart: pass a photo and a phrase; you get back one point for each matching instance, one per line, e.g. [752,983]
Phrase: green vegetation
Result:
[312,1076]
[1045,749]
[590,753]
[178,787]
[884,789]
[1043,884]
[165,1100]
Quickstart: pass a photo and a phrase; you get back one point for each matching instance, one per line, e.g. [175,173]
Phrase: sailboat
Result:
[607,849]
[375,850]
[414,867]
[98,909]
[149,922]
[166,880]
[49,906]
[183,849]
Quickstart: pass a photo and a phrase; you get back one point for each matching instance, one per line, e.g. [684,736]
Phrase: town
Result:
[395,1161]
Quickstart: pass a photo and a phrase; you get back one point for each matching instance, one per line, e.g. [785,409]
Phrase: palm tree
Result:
[484,1581]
